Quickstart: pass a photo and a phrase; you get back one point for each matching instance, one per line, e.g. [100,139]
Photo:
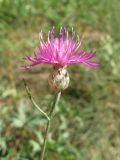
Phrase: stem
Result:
[33,102]
[55,103]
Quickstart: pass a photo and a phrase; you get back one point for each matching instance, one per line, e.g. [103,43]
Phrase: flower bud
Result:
[59,79]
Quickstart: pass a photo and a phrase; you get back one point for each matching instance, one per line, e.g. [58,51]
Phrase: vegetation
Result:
[86,123]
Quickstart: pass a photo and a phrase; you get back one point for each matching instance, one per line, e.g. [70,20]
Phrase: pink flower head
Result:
[60,50]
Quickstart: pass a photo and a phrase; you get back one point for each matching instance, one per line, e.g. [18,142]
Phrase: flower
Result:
[61,50]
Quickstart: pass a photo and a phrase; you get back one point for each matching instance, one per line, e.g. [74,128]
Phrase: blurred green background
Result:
[86,125]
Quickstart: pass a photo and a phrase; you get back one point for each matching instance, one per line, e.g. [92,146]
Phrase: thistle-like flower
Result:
[61,51]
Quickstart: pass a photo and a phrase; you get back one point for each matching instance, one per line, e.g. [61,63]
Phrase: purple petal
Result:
[61,49]
[91,64]
[51,34]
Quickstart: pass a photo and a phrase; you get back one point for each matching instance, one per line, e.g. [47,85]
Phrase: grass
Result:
[86,125]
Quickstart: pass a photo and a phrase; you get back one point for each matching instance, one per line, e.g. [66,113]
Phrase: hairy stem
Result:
[55,103]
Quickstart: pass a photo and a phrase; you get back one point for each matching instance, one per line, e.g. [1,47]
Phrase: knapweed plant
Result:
[61,51]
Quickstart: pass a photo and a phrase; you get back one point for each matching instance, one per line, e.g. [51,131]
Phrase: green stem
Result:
[48,117]
[55,103]
[33,102]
